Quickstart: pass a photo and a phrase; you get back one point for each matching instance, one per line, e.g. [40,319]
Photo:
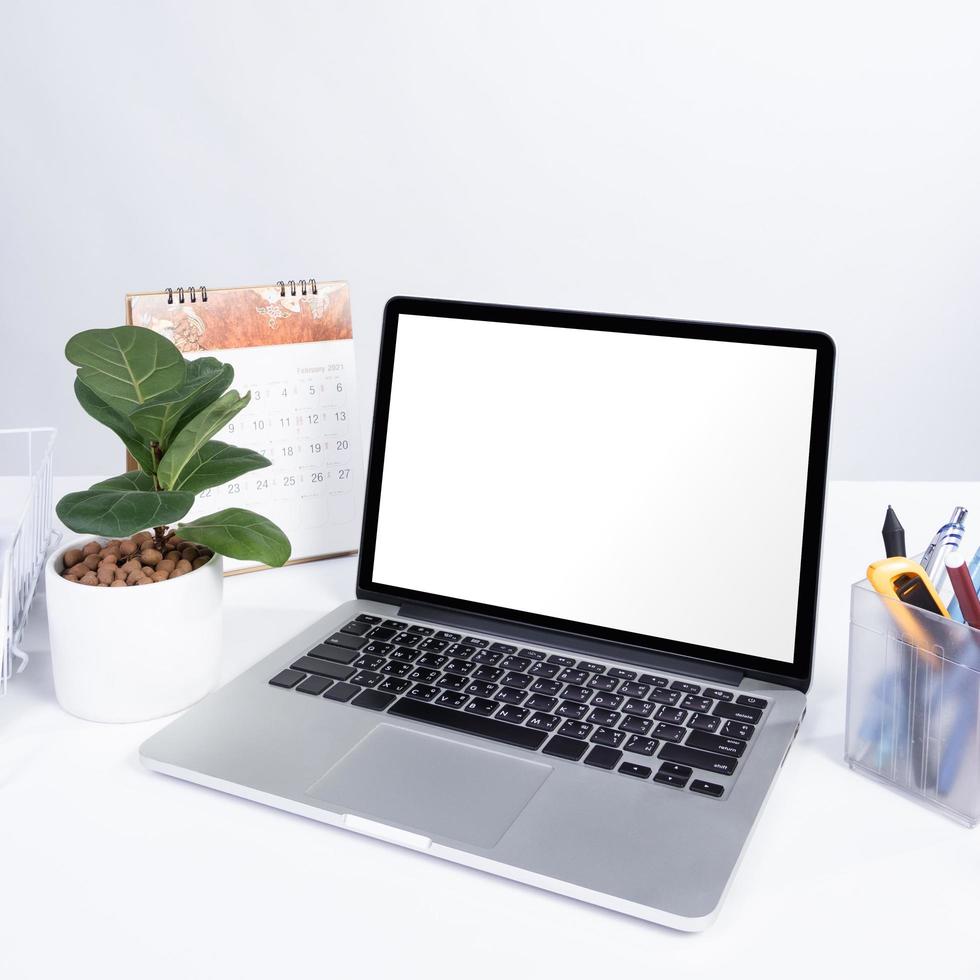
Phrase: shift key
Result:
[325,668]
[698,759]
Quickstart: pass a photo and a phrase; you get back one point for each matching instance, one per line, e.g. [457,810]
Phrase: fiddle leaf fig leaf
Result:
[119,424]
[133,480]
[164,416]
[195,434]
[119,513]
[126,366]
[241,534]
[216,463]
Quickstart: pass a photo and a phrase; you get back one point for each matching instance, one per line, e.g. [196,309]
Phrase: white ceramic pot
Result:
[137,653]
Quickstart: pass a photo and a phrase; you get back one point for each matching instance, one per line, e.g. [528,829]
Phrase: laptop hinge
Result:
[583,646]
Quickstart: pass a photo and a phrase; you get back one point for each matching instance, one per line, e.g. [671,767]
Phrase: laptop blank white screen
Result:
[648,484]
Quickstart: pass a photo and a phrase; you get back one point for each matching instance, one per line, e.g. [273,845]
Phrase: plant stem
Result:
[158,536]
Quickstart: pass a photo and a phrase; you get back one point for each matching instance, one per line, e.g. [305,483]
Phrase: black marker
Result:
[893,535]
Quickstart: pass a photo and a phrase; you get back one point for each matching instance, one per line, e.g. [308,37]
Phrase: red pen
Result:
[966,595]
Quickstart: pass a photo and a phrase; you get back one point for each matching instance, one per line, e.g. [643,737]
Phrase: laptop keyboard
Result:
[646,726]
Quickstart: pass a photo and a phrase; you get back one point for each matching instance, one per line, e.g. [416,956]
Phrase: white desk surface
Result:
[108,870]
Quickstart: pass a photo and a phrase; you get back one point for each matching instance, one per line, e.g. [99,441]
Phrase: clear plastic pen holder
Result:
[913,702]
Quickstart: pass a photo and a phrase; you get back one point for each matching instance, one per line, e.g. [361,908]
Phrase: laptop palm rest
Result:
[431,785]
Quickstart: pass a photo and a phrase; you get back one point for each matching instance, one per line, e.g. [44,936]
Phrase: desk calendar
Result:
[292,347]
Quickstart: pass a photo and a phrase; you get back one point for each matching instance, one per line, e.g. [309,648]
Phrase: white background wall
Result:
[808,165]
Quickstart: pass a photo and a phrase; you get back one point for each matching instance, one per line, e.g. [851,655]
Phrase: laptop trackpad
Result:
[431,785]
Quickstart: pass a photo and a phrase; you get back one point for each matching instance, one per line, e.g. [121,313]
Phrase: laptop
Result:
[584,616]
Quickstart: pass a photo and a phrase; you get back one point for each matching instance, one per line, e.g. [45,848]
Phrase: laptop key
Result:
[423,675]
[602,683]
[563,747]
[503,648]
[366,678]
[602,717]
[325,668]
[555,658]
[314,685]
[543,670]
[431,660]
[686,686]
[751,701]
[446,635]
[421,630]
[341,691]
[697,759]
[481,706]
[513,663]
[642,708]
[375,700]
[457,666]
[394,685]
[355,628]
[718,694]
[636,726]
[704,723]
[716,743]
[603,700]
[575,693]
[337,654]
[694,703]
[407,639]
[475,641]
[623,675]
[669,733]
[423,692]
[543,721]
[675,770]
[485,657]
[395,624]
[395,668]
[547,687]
[287,678]
[660,695]
[736,729]
[602,757]
[570,676]
[706,788]
[510,695]
[633,690]
[641,745]
[654,680]
[575,729]
[466,650]
[469,724]
[367,618]
[346,640]
[512,713]
[369,662]
[481,689]
[376,648]
[591,667]
[453,682]
[571,709]
[673,715]
[736,712]
[540,702]
[669,779]
[634,769]
[405,655]
[452,699]
[515,679]
[487,674]
[381,633]
[433,645]
[609,736]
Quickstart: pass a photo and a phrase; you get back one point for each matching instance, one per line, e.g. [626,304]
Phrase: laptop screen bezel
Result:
[797,672]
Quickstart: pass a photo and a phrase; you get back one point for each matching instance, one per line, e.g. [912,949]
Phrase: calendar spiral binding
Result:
[190,290]
[292,286]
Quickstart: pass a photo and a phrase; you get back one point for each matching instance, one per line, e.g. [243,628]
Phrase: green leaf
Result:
[241,534]
[164,416]
[119,513]
[216,463]
[126,366]
[133,480]
[119,424]
[195,434]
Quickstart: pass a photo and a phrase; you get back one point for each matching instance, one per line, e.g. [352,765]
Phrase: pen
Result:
[945,540]
[974,567]
[893,535]
[962,584]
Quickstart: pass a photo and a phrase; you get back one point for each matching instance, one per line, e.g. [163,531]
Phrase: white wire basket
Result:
[26,516]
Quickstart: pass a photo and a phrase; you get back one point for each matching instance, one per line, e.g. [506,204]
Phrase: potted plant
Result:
[121,652]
